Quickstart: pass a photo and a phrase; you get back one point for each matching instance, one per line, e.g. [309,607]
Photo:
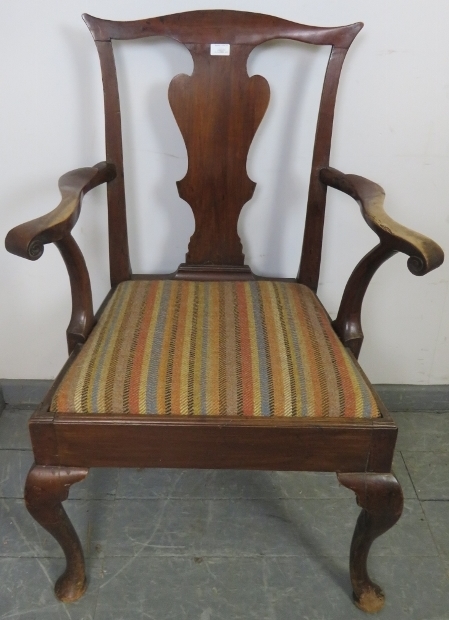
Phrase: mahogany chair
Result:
[213,366]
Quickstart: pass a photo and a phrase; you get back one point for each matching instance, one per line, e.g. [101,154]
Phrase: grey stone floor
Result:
[228,545]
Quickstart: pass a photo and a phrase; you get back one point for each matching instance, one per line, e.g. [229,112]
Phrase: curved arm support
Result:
[27,240]
[424,254]
[348,325]
[82,319]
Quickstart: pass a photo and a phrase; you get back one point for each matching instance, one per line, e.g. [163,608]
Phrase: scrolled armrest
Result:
[27,240]
[424,253]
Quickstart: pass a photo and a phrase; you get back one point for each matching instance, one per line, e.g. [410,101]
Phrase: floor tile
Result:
[255,527]
[227,484]
[100,483]
[14,468]
[197,484]
[187,588]
[402,475]
[295,588]
[22,536]
[319,588]
[240,484]
[311,485]
[437,514]
[14,429]
[326,528]
[159,527]
[422,432]
[429,472]
[26,590]
[446,564]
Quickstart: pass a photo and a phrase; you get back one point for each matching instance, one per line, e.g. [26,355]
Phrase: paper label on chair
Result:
[220,49]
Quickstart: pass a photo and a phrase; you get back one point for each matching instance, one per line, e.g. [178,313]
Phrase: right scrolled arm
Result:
[424,254]
[27,240]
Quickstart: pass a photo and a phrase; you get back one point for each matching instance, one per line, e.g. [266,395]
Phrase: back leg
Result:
[380,497]
[45,488]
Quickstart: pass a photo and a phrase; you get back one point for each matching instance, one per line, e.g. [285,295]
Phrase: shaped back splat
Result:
[218,110]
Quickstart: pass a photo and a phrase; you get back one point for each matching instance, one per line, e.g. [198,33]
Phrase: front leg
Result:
[380,497]
[45,488]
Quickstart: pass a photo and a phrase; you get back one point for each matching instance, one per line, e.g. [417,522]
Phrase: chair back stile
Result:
[218,110]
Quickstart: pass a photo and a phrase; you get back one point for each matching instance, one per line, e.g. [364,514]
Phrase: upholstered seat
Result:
[171,347]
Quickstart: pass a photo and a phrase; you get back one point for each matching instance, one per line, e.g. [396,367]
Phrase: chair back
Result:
[218,110]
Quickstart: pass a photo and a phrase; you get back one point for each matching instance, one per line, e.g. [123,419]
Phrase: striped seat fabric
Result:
[259,348]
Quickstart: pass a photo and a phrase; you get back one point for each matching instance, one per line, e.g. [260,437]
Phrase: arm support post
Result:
[424,254]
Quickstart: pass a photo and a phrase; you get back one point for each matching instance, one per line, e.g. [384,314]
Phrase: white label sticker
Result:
[220,49]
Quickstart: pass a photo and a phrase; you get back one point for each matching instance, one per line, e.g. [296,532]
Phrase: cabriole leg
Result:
[380,497]
[45,489]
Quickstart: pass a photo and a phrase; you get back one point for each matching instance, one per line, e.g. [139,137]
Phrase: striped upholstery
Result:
[167,347]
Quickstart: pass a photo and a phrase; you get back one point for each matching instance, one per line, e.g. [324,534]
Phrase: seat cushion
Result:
[259,348]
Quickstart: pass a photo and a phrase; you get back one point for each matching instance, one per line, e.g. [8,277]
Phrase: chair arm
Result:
[27,240]
[424,254]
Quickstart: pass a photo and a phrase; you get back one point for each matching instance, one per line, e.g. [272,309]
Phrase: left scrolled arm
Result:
[28,240]
[424,254]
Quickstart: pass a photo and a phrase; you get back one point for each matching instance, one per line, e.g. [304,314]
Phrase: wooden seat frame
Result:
[360,451]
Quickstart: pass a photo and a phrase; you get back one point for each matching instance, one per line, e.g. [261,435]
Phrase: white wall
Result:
[392,125]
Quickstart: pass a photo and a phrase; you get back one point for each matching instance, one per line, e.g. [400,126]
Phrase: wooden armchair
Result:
[213,366]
